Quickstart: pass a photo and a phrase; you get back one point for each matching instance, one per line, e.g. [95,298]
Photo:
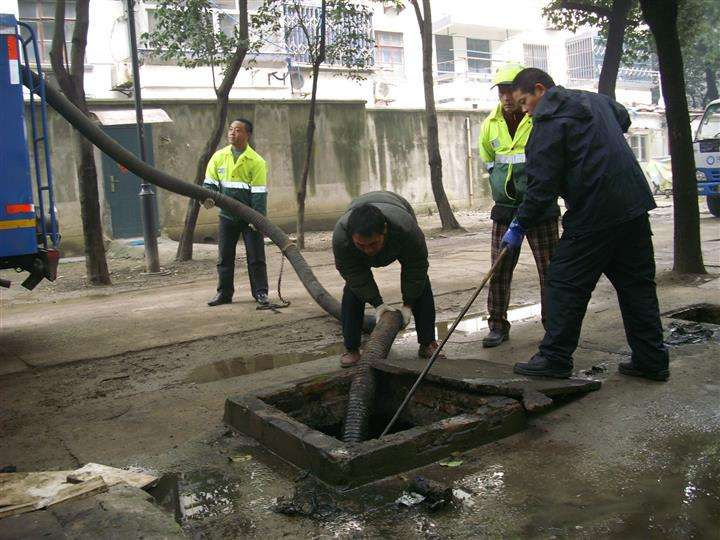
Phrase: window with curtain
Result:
[389,51]
[638,144]
[40,15]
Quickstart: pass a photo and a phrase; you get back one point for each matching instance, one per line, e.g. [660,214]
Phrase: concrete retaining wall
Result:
[356,150]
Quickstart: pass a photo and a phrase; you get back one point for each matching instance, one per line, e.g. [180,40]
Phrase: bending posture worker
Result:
[378,229]
[239,172]
[577,151]
[503,137]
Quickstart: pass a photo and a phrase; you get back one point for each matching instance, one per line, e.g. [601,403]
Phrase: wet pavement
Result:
[637,459]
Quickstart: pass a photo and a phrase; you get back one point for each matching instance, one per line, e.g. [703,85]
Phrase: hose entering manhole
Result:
[362,387]
[189,189]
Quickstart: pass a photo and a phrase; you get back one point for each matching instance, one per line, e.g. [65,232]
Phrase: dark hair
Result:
[366,220]
[526,80]
[248,124]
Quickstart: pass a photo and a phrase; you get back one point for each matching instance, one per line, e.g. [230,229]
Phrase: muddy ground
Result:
[136,374]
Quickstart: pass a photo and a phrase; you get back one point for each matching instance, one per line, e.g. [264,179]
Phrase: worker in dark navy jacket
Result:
[577,151]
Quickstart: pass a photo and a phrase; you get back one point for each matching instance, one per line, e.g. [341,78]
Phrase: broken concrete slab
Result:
[536,393]
[122,512]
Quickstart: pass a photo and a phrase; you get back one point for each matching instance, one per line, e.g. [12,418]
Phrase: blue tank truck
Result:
[707,157]
[29,236]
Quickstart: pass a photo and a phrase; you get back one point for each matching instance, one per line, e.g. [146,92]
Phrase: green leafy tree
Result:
[338,34]
[699,33]
[698,28]
[69,74]
[184,33]
[619,20]
[662,18]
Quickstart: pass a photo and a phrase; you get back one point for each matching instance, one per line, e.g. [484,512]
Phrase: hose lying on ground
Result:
[362,387]
[189,189]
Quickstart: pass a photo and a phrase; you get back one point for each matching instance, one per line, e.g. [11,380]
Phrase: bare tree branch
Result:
[418,13]
[79,45]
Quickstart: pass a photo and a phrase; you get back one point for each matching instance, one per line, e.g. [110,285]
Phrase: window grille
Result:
[296,41]
[535,56]
[580,58]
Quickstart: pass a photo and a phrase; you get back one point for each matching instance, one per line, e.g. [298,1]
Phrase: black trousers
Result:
[623,253]
[353,311]
[229,234]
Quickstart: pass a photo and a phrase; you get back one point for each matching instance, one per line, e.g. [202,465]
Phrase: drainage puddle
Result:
[476,323]
[196,495]
[226,369]
[466,331]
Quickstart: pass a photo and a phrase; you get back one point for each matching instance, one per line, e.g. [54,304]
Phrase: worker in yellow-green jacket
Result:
[503,136]
[239,172]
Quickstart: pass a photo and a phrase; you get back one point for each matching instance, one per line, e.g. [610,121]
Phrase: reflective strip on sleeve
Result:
[489,165]
[236,185]
[512,158]
[258,189]
[211,182]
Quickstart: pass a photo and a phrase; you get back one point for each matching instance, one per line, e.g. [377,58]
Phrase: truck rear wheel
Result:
[713,204]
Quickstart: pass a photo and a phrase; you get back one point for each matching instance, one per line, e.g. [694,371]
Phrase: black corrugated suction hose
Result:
[189,189]
[362,388]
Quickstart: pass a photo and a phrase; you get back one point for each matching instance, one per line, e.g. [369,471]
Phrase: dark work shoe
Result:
[220,298]
[495,338]
[628,368]
[539,366]
[262,299]
[426,351]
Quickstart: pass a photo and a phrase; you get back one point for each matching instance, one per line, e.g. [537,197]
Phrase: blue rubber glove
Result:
[513,238]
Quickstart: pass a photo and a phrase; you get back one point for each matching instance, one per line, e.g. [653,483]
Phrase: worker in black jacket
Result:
[577,151]
[378,229]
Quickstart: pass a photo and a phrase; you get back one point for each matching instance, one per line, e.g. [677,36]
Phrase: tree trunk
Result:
[319,58]
[711,92]
[73,86]
[185,245]
[614,47]
[95,261]
[309,139]
[447,218]
[661,17]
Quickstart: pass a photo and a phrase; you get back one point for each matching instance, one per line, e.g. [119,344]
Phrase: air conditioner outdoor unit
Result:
[297,82]
[384,92]
[121,76]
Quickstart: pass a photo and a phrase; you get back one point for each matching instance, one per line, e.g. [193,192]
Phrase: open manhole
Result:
[302,422]
[700,313]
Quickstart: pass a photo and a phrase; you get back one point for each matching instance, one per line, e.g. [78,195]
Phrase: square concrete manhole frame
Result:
[496,409]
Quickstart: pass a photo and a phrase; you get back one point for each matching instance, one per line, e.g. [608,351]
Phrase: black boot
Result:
[220,298]
[539,366]
[628,368]
[495,338]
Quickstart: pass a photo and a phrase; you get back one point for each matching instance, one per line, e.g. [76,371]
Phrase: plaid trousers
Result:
[543,239]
